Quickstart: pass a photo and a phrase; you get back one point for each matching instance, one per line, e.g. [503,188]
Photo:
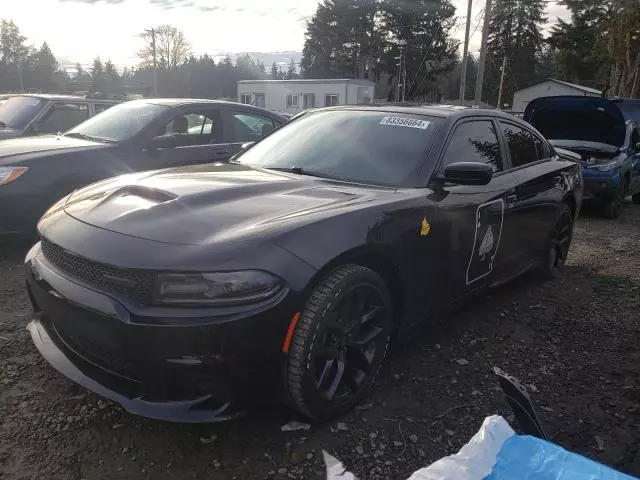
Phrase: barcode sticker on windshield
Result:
[405,122]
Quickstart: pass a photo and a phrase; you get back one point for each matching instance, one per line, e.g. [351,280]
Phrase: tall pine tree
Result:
[514,33]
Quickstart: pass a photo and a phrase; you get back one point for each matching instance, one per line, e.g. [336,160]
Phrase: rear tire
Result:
[635,198]
[339,343]
[558,244]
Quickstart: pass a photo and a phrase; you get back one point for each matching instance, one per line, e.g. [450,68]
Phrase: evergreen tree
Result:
[514,33]
[340,39]
[292,72]
[113,82]
[274,74]
[98,80]
[423,26]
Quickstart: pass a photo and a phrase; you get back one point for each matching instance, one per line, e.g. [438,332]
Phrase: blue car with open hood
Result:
[609,146]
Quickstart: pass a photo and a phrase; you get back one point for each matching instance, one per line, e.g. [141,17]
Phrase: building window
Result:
[245,98]
[292,100]
[330,100]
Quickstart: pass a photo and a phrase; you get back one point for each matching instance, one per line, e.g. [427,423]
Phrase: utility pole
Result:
[504,70]
[404,78]
[463,70]
[399,65]
[483,53]
[155,62]
[19,65]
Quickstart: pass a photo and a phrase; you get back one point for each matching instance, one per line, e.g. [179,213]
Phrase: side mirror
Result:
[468,173]
[164,141]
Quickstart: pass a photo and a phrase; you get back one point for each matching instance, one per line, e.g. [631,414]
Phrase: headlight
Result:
[9,174]
[222,288]
[605,167]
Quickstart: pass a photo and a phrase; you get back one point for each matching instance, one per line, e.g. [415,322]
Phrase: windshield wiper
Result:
[302,171]
[87,137]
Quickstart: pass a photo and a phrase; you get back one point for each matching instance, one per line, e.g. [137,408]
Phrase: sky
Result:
[80,30]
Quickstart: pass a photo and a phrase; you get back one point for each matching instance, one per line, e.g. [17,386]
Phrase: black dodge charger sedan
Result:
[187,294]
[133,136]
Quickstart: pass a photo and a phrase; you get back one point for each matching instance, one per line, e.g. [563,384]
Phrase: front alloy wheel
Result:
[339,343]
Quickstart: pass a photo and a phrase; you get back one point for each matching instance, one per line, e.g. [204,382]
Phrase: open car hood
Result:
[591,119]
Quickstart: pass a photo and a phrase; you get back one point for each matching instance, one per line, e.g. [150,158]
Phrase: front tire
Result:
[612,208]
[557,249]
[339,343]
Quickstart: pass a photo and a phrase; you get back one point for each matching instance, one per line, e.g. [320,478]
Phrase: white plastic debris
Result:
[476,459]
[335,469]
[295,426]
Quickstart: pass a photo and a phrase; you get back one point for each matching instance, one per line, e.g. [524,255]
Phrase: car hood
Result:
[31,147]
[209,203]
[593,119]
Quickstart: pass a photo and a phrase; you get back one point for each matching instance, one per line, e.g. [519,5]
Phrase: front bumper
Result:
[201,369]
[600,186]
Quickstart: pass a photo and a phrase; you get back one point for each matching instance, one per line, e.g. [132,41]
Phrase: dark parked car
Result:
[609,145]
[38,114]
[186,294]
[133,136]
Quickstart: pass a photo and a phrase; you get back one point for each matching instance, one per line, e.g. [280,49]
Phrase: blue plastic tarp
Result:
[529,458]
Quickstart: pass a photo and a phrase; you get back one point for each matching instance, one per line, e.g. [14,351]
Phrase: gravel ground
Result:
[573,342]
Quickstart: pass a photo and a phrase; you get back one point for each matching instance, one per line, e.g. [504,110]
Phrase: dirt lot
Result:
[572,341]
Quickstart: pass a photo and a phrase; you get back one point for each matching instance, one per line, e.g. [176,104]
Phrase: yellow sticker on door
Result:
[425,227]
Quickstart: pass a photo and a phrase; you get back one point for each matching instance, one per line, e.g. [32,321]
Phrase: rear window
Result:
[373,147]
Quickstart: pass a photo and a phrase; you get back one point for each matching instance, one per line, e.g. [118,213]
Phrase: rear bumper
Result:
[198,369]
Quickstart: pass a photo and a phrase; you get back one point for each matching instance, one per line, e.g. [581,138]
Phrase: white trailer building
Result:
[292,96]
[549,88]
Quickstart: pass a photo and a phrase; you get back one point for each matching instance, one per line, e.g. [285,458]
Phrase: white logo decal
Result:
[405,122]
[487,243]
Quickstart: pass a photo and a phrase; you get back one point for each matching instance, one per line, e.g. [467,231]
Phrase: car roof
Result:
[444,111]
[55,97]
[180,102]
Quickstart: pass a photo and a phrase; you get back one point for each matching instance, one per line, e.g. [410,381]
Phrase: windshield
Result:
[119,122]
[371,147]
[17,112]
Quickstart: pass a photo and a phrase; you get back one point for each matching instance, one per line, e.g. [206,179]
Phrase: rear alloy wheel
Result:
[339,343]
[612,208]
[559,243]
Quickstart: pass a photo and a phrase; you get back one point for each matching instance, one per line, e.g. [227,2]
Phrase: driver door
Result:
[476,221]
[198,135]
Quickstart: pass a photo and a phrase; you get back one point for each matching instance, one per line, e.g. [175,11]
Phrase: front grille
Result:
[134,285]
[105,357]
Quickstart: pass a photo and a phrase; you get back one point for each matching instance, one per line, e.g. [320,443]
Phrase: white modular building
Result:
[293,96]
[549,88]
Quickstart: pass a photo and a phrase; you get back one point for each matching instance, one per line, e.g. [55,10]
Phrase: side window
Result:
[62,117]
[247,127]
[101,107]
[474,141]
[521,145]
[198,128]
[542,148]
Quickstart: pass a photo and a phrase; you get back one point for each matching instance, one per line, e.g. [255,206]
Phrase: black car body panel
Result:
[436,244]
[597,130]
[57,165]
